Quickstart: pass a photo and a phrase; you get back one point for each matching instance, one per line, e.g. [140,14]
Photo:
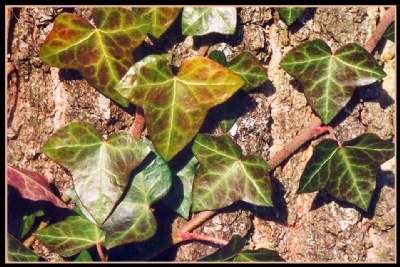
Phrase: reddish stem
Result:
[191,236]
[139,123]
[100,252]
[387,19]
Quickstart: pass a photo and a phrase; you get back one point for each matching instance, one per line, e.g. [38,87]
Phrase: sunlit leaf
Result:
[203,20]
[228,252]
[176,107]
[71,235]
[348,173]
[32,185]
[329,80]
[18,252]
[389,34]
[261,254]
[290,14]
[160,18]
[179,197]
[84,255]
[132,220]
[72,194]
[102,54]
[100,169]
[225,176]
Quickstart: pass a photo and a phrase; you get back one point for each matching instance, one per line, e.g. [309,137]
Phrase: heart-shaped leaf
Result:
[132,220]
[71,235]
[32,185]
[250,69]
[203,20]
[18,252]
[348,172]
[160,17]
[84,255]
[100,169]
[389,34]
[225,176]
[179,198]
[176,107]
[329,80]
[261,254]
[72,194]
[227,252]
[290,14]
[102,54]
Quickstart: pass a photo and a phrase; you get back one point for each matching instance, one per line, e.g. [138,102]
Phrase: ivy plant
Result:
[119,181]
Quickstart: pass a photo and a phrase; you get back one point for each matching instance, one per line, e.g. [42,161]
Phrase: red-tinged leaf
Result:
[32,185]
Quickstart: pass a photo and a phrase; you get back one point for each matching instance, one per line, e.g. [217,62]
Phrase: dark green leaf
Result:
[18,252]
[100,169]
[102,54]
[179,197]
[225,176]
[203,20]
[290,14]
[261,254]
[160,17]
[70,236]
[349,172]
[176,107]
[389,34]
[330,80]
[83,256]
[228,252]
[250,69]
[218,56]
[132,220]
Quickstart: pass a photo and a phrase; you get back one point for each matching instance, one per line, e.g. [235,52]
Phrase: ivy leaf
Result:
[176,107]
[132,220]
[102,54]
[100,169]
[84,255]
[290,14]
[18,252]
[71,235]
[225,176]
[261,254]
[218,56]
[348,173]
[203,20]
[161,18]
[329,80]
[32,186]
[250,69]
[389,34]
[72,194]
[179,198]
[227,252]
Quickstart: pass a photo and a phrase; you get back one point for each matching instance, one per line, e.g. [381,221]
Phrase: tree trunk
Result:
[303,228]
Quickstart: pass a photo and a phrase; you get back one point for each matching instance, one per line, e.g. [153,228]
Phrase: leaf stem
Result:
[197,220]
[29,241]
[191,236]
[387,19]
[100,252]
[139,123]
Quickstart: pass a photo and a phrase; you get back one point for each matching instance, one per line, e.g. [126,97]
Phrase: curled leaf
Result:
[329,80]
[102,54]
[225,176]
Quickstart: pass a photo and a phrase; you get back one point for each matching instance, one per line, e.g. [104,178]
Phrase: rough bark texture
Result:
[303,228]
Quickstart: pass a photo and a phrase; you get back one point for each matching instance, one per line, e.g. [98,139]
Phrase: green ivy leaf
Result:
[330,80]
[348,173]
[176,107]
[132,220]
[228,252]
[71,235]
[100,169]
[18,252]
[203,20]
[179,197]
[290,14]
[74,197]
[225,176]
[84,255]
[218,56]
[261,254]
[389,34]
[102,54]
[160,17]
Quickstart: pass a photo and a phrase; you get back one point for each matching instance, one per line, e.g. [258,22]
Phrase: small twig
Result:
[387,19]
[191,236]
[197,220]
[29,241]
[100,252]
[139,123]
